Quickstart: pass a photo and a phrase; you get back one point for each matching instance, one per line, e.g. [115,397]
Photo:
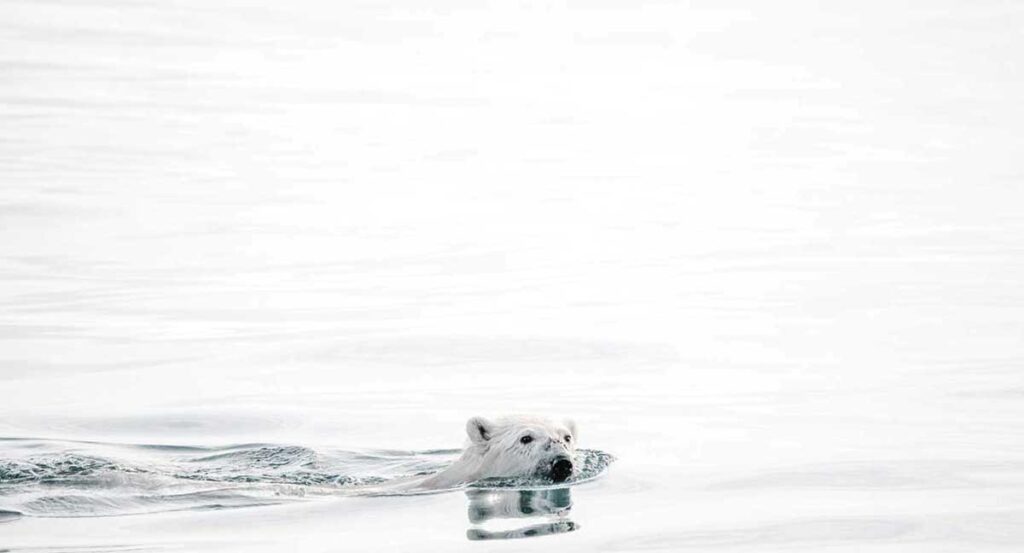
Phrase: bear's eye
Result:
[525,440]
[568,438]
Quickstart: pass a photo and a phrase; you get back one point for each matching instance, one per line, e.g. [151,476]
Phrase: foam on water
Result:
[45,478]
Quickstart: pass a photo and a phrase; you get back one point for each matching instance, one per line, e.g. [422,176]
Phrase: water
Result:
[768,255]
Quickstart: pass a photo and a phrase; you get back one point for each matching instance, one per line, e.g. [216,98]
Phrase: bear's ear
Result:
[571,425]
[479,429]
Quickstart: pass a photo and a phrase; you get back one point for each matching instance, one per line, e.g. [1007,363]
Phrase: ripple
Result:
[49,469]
[592,464]
[268,456]
[294,465]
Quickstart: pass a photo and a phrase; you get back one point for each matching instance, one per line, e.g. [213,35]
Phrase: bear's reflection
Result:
[547,509]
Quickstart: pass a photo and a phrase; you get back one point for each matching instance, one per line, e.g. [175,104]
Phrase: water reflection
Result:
[534,513]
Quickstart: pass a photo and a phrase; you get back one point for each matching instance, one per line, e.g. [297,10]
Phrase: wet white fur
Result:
[494,449]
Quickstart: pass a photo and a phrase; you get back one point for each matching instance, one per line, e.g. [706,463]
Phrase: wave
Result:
[53,468]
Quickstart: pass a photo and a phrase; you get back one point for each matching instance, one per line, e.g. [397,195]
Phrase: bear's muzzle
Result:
[561,469]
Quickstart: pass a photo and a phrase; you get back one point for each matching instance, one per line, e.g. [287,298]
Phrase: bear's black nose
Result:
[561,469]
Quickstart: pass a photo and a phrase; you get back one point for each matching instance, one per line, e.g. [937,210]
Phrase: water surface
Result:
[767,254]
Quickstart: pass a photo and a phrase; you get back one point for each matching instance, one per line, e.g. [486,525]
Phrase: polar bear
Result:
[512,446]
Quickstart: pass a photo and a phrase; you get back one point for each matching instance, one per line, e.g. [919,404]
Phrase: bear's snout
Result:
[561,469]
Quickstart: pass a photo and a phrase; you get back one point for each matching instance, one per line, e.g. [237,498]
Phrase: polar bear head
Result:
[522,446]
